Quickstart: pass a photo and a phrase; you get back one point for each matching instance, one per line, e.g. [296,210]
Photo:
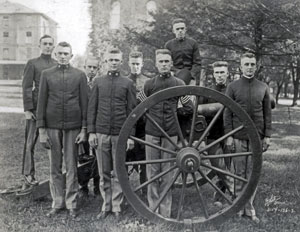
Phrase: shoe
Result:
[255,219]
[96,192]
[29,179]
[102,215]
[53,212]
[218,204]
[83,193]
[117,215]
[73,213]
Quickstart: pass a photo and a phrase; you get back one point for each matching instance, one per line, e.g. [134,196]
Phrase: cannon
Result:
[193,184]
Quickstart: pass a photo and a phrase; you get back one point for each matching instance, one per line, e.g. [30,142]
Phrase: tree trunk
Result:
[286,84]
[279,87]
[296,78]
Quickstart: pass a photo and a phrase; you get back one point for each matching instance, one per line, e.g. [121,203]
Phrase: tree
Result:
[224,30]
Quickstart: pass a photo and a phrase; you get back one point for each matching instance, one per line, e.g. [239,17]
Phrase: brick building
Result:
[20,30]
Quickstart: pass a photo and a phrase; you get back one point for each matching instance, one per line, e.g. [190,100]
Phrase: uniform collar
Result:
[181,40]
[113,73]
[63,66]
[248,79]
[45,56]
[165,75]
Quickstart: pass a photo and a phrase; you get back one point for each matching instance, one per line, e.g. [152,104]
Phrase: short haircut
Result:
[91,58]
[113,50]
[64,44]
[220,64]
[135,54]
[45,37]
[178,20]
[163,52]
[248,55]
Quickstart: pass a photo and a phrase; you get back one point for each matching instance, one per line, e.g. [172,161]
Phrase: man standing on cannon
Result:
[30,86]
[185,53]
[112,100]
[138,152]
[162,114]
[61,119]
[254,97]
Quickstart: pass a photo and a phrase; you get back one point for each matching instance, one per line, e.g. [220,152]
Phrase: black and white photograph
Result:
[149,115]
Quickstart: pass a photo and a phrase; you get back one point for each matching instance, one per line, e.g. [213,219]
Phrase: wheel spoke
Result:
[224,172]
[204,206]
[152,145]
[155,178]
[220,139]
[166,190]
[209,127]
[161,130]
[192,130]
[180,207]
[228,155]
[181,138]
[157,161]
[216,187]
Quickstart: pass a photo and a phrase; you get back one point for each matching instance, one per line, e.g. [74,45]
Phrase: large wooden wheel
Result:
[192,205]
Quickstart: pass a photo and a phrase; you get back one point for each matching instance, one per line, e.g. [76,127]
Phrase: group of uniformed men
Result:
[63,105]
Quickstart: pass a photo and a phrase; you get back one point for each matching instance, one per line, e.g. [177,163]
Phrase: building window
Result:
[115,15]
[28,38]
[5,20]
[151,10]
[5,34]
[5,54]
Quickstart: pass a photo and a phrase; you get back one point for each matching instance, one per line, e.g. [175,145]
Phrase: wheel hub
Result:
[188,160]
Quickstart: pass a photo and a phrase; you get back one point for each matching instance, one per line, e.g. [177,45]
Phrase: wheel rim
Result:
[187,157]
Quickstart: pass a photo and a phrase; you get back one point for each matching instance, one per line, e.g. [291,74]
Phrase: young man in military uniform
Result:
[30,86]
[61,119]
[87,153]
[254,97]
[221,80]
[185,53]
[164,117]
[112,100]
[138,152]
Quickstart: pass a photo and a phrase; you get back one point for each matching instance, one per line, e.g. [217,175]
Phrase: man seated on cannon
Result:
[87,153]
[185,53]
[220,75]
[112,100]
[254,97]
[138,152]
[162,114]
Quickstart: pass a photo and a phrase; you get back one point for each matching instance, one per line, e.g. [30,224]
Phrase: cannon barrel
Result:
[210,109]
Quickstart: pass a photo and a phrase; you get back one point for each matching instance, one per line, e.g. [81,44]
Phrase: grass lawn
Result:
[277,202]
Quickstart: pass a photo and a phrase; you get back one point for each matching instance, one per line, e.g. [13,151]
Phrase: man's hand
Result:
[230,144]
[93,140]
[265,143]
[130,144]
[81,137]
[44,138]
[29,115]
